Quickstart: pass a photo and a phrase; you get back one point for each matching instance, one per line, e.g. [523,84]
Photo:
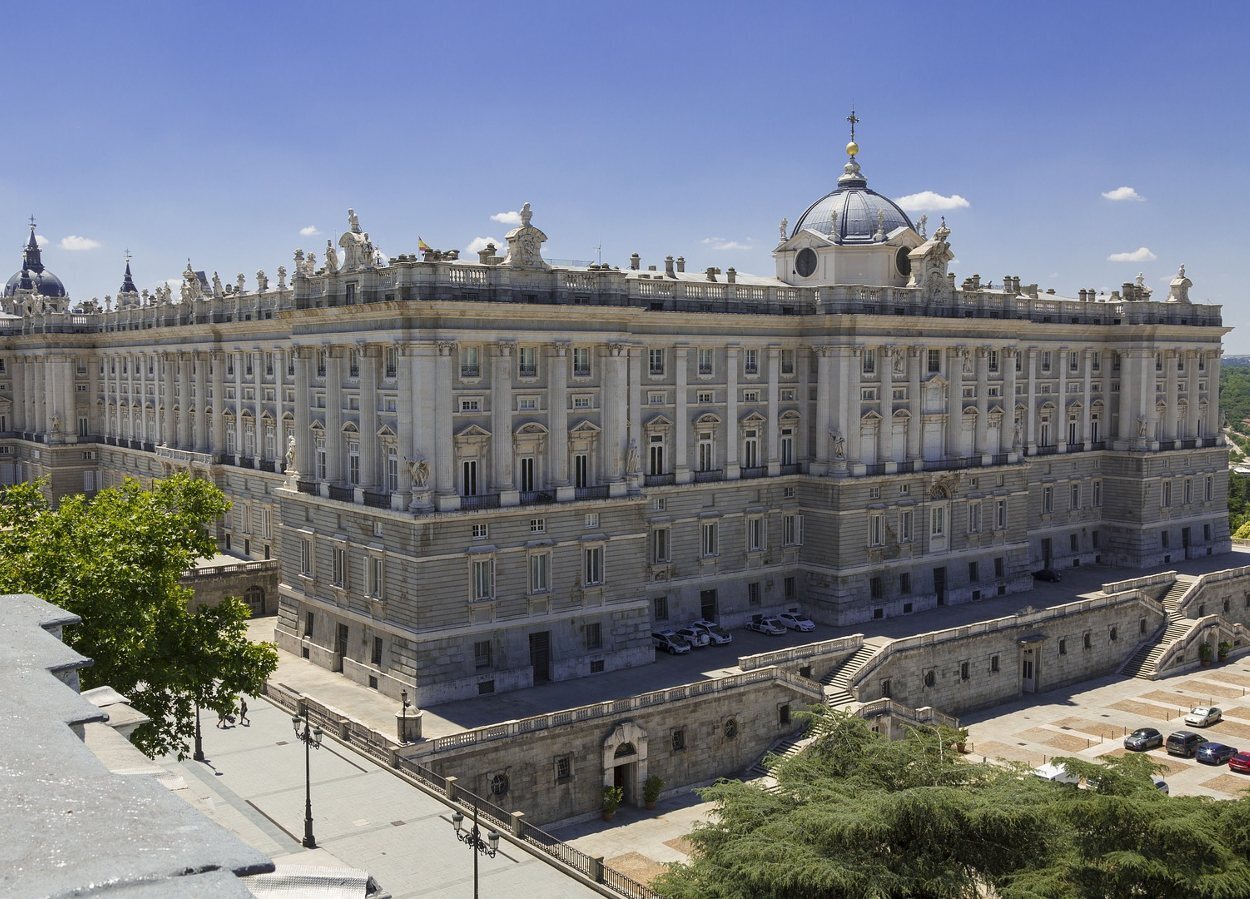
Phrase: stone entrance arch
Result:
[625,760]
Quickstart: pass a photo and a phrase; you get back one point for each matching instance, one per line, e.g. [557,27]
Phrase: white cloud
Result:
[74,242]
[928,201]
[310,231]
[507,218]
[41,240]
[723,243]
[479,243]
[1123,193]
[1141,254]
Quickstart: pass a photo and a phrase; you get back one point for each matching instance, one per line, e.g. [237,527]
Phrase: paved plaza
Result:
[364,816]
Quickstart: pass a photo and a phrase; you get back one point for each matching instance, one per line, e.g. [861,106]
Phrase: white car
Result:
[1056,774]
[770,626]
[717,634]
[797,621]
[694,636]
[1161,785]
[1204,716]
[669,642]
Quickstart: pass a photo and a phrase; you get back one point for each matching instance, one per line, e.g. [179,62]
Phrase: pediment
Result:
[658,421]
[707,418]
[585,427]
[870,416]
[936,380]
[902,413]
[753,418]
[996,410]
[385,431]
[473,431]
[790,416]
[531,429]
[805,238]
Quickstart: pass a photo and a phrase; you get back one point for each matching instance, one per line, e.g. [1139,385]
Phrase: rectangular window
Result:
[994,664]
[482,654]
[591,520]
[470,366]
[876,587]
[538,525]
[659,606]
[481,531]
[705,361]
[1000,514]
[581,362]
[751,362]
[376,656]
[705,396]
[755,534]
[937,521]
[679,739]
[655,398]
[391,356]
[527,403]
[904,583]
[935,361]
[593,568]
[904,526]
[711,537]
[1087,641]
[787,362]
[660,545]
[1166,494]
[309,620]
[655,363]
[1048,499]
[974,572]
[1075,497]
[1189,491]
[594,635]
[792,529]
[483,579]
[527,362]
[340,566]
[1096,493]
[376,569]
[1045,360]
[868,363]
[789,588]
[993,360]
[1063,646]
[754,593]
[540,572]
[876,529]
[1209,488]
[964,673]
[305,557]
[582,401]
[974,518]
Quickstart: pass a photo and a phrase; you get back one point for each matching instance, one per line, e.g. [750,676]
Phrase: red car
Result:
[1240,762]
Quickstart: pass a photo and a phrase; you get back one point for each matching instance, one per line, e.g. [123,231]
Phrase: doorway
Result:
[340,646]
[939,584]
[625,772]
[1028,671]
[707,605]
[1048,552]
[540,656]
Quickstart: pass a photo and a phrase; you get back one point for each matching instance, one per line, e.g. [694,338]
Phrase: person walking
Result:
[221,720]
[243,713]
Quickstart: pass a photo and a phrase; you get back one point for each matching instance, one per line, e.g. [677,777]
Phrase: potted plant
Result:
[1224,649]
[612,798]
[651,790]
[1204,653]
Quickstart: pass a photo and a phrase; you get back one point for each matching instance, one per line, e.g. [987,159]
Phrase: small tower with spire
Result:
[128,283]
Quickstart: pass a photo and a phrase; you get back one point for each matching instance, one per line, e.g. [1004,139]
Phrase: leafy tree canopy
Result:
[856,815]
[115,560]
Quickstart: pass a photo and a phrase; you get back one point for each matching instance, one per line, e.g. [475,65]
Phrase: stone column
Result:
[732,469]
[1214,423]
[409,422]
[1087,395]
[303,414]
[368,418]
[1147,396]
[219,404]
[915,406]
[428,421]
[18,367]
[682,425]
[558,420]
[955,400]
[981,444]
[826,402]
[885,430]
[634,417]
[772,432]
[258,407]
[184,400]
[1061,439]
[1193,398]
[853,421]
[1169,368]
[1126,427]
[614,407]
[445,459]
[501,449]
[334,418]
[1030,405]
[201,437]
[143,398]
[169,380]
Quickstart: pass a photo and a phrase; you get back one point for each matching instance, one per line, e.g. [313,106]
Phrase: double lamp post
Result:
[310,736]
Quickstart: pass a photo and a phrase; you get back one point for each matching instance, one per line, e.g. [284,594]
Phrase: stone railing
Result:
[800,653]
[926,715]
[232,568]
[507,730]
[1180,646]
[186,457]
[1161,578]
[1194,593]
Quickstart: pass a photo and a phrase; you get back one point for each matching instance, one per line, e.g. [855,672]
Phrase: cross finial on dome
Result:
[852,148]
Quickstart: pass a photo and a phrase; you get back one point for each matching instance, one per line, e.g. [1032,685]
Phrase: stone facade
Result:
[482,475]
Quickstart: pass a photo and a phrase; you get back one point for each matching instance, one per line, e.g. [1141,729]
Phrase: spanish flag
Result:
[422,245]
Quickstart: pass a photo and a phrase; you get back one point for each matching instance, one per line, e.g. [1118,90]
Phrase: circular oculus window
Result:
[805,262]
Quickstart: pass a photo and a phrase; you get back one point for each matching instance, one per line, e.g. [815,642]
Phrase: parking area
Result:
[1091,720]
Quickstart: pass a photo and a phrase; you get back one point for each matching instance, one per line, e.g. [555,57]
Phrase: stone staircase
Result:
[1142,663]
[786,747]
[837,683]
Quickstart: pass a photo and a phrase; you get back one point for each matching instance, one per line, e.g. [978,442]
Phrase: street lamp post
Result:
[198,755]
[403,733]
[473,839]
[311,738]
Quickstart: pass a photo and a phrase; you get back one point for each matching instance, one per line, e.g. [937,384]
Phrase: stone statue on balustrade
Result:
[839,445]
[419,469]
[217,288]
[525,243]
[262,281]
[290,454]
[633,463]
[332,258]
[282,277]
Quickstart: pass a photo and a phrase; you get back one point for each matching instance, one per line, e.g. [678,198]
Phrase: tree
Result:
[115,560]
[856,815]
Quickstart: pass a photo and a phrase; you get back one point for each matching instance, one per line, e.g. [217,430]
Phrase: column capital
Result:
[821,349]
[505,348]
[445,347]
[559,348]
[617,349]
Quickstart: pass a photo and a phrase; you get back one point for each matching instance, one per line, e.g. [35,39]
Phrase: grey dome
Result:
[45,284]
[849,213]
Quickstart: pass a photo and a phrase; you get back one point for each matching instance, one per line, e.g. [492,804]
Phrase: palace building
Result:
[482,474]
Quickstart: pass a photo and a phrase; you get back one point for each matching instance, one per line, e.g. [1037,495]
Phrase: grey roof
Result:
[856,208]
[69,825]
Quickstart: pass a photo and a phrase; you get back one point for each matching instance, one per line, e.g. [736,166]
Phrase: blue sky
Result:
[219,131]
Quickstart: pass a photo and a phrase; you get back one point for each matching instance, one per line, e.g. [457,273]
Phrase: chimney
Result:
[1084,295]
[732,275]
[711,272]
[485,254]
[668,266]
[681,263]
[976,282]
[635,262]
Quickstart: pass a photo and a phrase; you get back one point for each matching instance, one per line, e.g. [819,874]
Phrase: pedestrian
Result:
[243,713]
[221,720]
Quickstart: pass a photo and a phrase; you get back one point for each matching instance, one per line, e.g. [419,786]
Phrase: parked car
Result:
[670,642]
[1215,753]
[717,634]
[797,621]
[1055,773]
[1240,763]
[1204,716]
[763,625]
[1184,743]
[1046,574]
[1142,739]
[695,637]
[1161,785]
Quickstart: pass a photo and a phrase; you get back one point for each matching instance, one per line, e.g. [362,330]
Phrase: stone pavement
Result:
[1090,720]
[253,784]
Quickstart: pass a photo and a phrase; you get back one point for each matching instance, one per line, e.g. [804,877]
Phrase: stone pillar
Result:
[980,444]
[303,414]
[772,432]
[1169,421]
[369,458]
[169,367]
[915,405]
[1061,439]
[334,418]
[422,420]
[614,408]
[1030,405]
[202,402]
[258,406]
[184,400]
[885,430]
[1126,427]
[69,401]
[1214,423]
[17,366]
[1087,396]
[1193,398]
[219,404]
[681,427]
[501,449]
[853,422]
[825,402]
[954,400]
[445,458]
[634,417]
[1143,385]
[558,420]
[143,398]
[732,469]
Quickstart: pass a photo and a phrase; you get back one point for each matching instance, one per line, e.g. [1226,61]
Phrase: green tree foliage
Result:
[857,815]
[1238,500]
[115,560]
[1235,393]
